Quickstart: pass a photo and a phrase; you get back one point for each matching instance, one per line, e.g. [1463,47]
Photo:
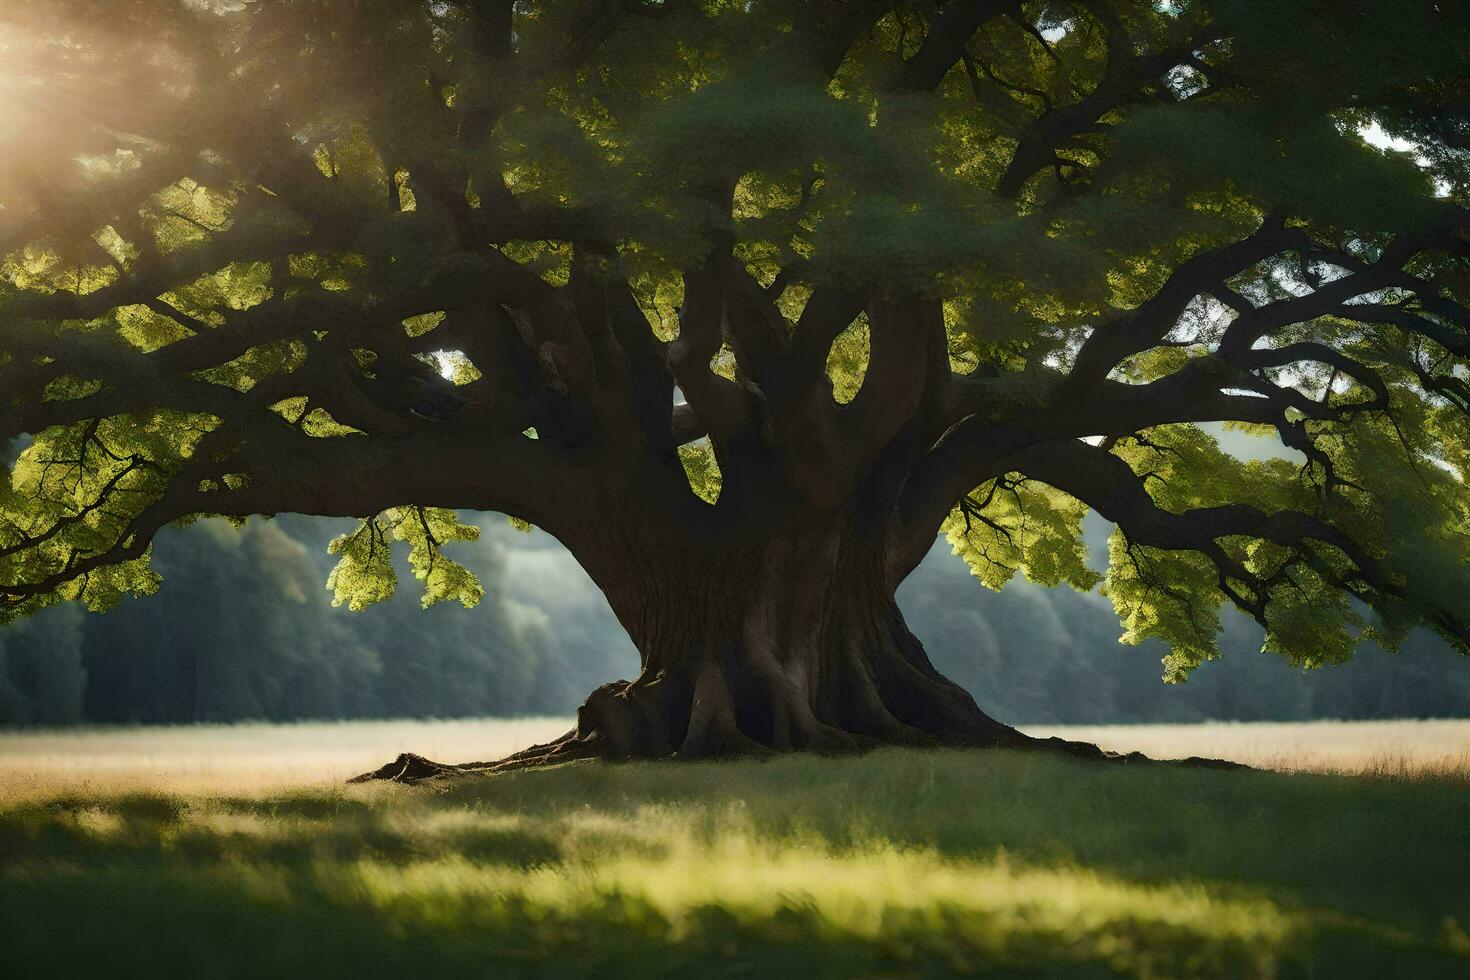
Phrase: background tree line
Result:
[243,629]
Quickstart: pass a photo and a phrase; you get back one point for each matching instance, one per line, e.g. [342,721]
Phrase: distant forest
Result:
[244,629]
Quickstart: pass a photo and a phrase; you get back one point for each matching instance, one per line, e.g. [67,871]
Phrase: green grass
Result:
[896,864]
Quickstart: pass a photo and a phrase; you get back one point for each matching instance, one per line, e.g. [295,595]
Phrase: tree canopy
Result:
[673,276]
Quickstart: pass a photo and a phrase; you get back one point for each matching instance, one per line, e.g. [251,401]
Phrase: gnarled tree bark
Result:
[791,640]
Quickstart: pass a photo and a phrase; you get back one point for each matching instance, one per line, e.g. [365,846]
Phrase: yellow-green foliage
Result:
[702,469]
[659,293]
[427,530]
[1174,596]
[1013,525]
[148,330]
[334,271]
[551,260]
[49,501]
[351,162]
[237,286]
[43,270]
[316,422]
[417,326]
[247,370]
[183,213]
[1166,595]
[847,361]
[365,574]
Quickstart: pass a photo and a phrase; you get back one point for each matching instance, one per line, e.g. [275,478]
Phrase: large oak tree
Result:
[745,303]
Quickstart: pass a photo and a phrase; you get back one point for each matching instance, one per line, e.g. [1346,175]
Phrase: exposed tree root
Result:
[412,769]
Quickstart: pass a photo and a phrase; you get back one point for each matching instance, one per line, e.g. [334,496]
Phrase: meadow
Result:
[237,851]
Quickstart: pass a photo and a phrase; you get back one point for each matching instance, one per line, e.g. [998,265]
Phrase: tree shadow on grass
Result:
[247,921]
[897,864]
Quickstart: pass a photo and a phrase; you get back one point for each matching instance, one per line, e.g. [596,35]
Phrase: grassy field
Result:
[224,852]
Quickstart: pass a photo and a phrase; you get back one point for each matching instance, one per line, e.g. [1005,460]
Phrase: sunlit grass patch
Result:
[894,864]
[899,904]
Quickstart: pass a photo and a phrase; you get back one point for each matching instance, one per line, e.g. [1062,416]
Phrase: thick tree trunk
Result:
[790,642]
[784,649]
[793,642]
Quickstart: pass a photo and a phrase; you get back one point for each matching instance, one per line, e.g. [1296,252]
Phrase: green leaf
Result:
[1014,525]
[427,530]
[364,575]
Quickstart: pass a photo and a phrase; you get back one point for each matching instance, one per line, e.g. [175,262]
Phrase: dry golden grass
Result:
[1407,749]
[263,758]
[243,759]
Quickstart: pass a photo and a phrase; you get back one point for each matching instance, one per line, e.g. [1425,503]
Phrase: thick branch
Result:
[1123,81]
[1139,329]
[949,32]
[1109,485]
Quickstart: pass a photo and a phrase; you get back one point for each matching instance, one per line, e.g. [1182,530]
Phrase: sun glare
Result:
[12,88]
[22,91]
